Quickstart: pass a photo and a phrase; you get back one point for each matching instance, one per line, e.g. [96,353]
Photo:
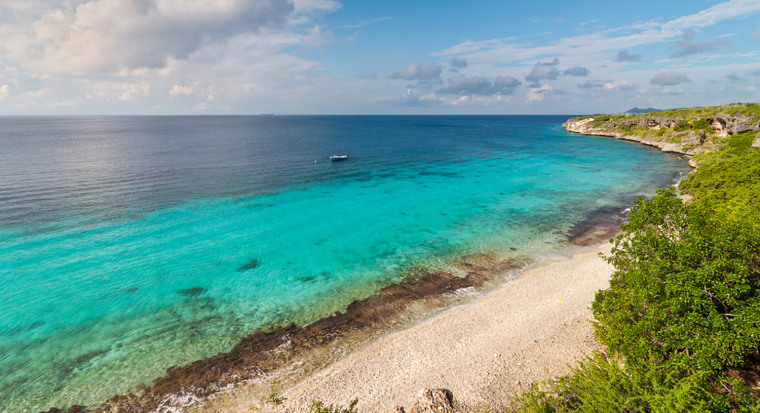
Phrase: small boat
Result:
[338,157]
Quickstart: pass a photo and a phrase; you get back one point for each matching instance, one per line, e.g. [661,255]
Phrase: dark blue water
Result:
[130,244]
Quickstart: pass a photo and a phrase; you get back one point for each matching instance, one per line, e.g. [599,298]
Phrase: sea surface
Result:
[132,244]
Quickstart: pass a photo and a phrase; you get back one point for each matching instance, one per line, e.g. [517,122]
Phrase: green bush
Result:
[319,407]
[702,124]
[686,289]
[728,182]
[602,385]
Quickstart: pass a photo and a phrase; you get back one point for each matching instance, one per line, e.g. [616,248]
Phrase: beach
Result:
[531,329]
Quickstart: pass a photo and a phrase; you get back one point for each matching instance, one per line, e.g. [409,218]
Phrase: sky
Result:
[230,57]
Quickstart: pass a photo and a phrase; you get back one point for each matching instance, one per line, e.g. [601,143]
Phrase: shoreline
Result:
[473,351]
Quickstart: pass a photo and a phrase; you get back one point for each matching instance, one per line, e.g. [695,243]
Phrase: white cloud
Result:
[724,11]
[617,85]
[133,90]
[178,90]
[538,94]
[4,92]
[105,36]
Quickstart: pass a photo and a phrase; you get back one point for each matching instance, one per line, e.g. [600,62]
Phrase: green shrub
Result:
[686,289]
[682,125]
[702,124]
[728,182]
[602,385]
[319,407]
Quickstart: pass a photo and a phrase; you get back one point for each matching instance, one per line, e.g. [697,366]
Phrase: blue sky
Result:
[359,57]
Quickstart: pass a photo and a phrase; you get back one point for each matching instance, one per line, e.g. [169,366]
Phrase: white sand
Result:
[531,329]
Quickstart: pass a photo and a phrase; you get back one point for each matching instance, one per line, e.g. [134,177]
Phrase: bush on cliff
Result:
[730,185]
[686,287]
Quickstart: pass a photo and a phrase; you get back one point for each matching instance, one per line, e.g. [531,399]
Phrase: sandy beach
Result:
[533,328]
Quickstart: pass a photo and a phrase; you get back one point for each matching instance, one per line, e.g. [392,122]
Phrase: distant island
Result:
[636,110]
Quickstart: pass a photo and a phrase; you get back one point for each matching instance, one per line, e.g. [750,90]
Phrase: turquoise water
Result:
[149,246]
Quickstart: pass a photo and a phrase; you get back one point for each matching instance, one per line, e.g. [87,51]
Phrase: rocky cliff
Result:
[671,134]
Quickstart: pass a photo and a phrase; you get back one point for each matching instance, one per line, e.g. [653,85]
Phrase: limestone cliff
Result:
[685,134]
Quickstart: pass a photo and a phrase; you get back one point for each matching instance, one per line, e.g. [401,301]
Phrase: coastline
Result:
[531,329]
[583,128]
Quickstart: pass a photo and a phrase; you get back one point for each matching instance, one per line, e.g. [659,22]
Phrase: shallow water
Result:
[131,244]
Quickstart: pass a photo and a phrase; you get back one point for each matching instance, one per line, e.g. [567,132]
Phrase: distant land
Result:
[642,111]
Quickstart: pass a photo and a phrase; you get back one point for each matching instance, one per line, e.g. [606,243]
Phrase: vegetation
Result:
[274,397]
[690,121]
[681,319]
[747,109]
[319,407]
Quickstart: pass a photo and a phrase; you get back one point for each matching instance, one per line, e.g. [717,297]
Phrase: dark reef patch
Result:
[251,264]
[600,226]
[191,292]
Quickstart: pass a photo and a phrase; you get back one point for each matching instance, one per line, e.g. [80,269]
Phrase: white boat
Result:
[338,157]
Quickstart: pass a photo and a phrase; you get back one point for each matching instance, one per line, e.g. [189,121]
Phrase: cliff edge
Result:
[686,131]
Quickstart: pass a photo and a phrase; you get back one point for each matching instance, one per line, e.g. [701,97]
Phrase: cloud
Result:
[178,90]
[756,72]
[538,94]
[425,75]
[618,85]
[590,85]
[624,56]
[105,36]
[669,79]
[543,71]
[476,85]
[4,92]
[458,63]
[576,71]
[610,86]
[722,11]
[133,90]
[687,46]
[412,98]
[733,77]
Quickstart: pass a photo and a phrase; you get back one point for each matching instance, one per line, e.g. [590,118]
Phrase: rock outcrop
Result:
[686,142]
[432,401]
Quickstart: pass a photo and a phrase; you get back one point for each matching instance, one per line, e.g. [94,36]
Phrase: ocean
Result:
[132,244]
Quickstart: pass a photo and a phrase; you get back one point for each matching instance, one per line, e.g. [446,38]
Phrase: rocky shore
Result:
[688,142]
